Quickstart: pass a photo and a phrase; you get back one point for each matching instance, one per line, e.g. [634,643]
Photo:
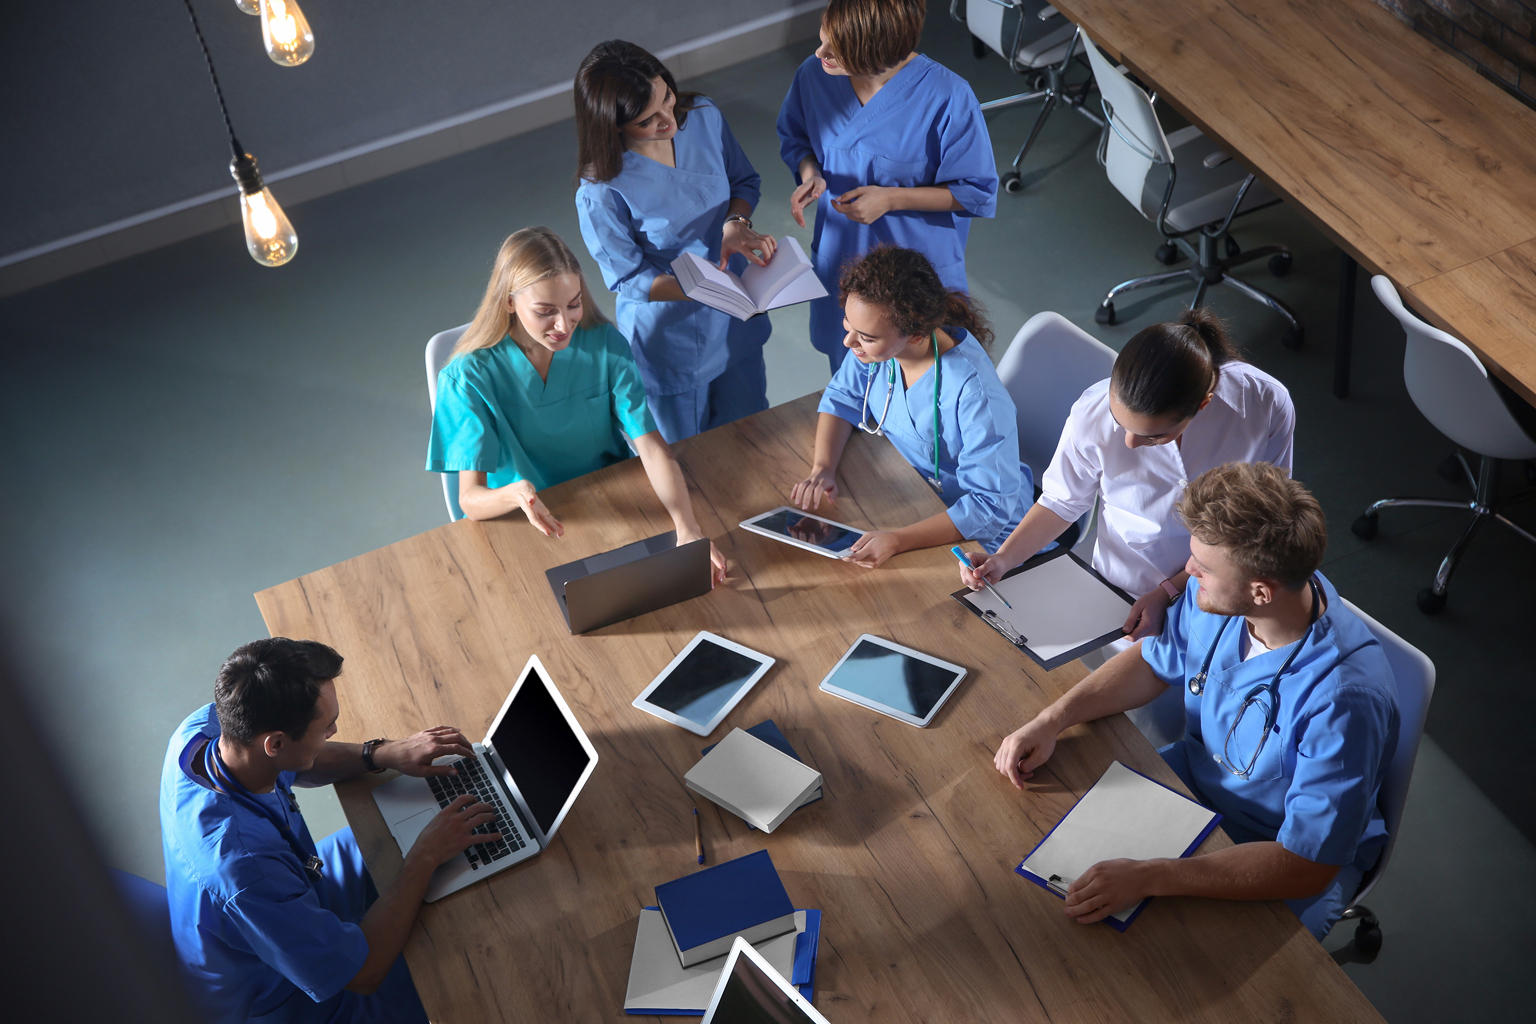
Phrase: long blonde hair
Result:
[526,257]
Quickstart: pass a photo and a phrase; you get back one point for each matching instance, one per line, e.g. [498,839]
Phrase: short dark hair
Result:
[1272,526]
[613,87]
[272,684]
[1168,369]
[869,37]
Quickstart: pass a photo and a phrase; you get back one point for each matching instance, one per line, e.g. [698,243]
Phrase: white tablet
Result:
[804,530]
[703,683]
[750,989]
[893,680]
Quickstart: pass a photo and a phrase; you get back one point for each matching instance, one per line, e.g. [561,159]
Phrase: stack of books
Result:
[756,775]
[681,943]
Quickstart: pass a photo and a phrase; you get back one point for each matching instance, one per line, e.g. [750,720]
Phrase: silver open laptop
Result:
[530,767]
[654,573]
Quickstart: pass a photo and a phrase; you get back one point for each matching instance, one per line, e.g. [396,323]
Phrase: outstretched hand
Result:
[805,195]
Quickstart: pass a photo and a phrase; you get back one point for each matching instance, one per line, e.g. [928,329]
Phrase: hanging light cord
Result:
[234,143]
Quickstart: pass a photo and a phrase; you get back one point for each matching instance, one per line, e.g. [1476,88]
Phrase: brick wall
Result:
[1497,37]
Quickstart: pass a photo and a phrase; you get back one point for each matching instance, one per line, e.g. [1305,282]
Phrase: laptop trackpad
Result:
[405,832]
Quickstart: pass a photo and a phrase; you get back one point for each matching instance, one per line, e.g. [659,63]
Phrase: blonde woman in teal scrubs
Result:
[541,388]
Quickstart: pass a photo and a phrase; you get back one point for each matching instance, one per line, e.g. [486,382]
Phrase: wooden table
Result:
[911,854]
[1410,161]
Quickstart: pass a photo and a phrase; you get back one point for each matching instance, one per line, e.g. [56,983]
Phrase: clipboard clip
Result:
[1058,885]
[1004,627]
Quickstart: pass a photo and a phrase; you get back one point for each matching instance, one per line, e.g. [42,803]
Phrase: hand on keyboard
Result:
[455,829]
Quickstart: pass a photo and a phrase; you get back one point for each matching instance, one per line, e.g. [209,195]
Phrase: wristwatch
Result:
[368,749]
[736,216]
[1173,592]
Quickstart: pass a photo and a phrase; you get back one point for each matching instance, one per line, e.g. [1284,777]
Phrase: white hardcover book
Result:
[788,278]
[753,780]
[657,981]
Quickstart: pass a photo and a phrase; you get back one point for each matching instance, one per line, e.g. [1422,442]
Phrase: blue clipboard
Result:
[1116,925]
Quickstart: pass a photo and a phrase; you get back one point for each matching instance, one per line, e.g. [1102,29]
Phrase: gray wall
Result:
[109,113]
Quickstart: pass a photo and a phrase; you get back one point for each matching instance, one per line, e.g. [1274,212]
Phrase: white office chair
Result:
[1205,190]
[1050,364]
[1450,386]
[439,348]
[1414,676]
[1037,41]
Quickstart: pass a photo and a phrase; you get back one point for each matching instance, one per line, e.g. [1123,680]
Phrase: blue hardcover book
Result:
[768,731]
[706,910]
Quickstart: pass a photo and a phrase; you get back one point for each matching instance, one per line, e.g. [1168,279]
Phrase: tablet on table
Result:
[700,686]
[893,680]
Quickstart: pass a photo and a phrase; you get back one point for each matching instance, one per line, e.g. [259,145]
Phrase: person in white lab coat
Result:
[1180,401]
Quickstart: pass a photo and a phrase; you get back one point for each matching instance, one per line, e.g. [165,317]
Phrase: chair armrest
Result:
[1048,12]
[1216,159]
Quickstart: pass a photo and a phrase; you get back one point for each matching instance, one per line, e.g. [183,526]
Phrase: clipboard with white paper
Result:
[1062,608]
[1124,814]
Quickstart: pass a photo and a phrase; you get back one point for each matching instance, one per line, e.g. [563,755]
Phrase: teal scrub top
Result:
[496,416]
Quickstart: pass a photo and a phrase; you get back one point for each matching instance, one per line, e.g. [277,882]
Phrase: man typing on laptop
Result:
[1290,711]
[267,925]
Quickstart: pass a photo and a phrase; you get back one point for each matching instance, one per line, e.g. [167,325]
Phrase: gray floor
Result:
[192,428]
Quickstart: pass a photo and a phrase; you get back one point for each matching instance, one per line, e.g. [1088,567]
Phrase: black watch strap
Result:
[368,749]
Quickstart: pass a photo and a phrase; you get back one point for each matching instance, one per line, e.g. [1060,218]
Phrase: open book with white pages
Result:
[787,279]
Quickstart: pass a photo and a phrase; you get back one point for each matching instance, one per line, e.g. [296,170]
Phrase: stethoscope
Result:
[878,430]
[1271,689]
[225,782]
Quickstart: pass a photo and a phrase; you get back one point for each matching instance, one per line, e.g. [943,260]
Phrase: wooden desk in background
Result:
[911,854]
[1416,166]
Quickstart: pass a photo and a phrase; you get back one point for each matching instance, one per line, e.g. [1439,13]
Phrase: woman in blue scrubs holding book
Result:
[660,174]
[889,146]
[915,372]
[542,389]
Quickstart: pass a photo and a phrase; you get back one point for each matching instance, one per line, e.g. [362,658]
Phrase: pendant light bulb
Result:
[269,237]
[285,32]
[249,6]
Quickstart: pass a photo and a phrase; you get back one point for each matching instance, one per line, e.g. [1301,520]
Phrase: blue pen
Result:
[966,563]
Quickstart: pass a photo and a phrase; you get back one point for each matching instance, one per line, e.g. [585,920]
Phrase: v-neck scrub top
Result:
[496,416]
[1315,785]
[251,929]
[648,216]
[924,127]
[1141,539]
[985,486]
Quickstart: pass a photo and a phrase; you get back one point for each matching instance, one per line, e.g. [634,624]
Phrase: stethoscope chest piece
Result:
[1197,683]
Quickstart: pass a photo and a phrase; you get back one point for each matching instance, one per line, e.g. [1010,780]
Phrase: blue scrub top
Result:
[249,926]
[924,127]
[1316,783]
[985,486]
[648,216]
[496,416]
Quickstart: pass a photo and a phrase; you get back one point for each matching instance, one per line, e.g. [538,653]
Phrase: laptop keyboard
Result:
[473,781]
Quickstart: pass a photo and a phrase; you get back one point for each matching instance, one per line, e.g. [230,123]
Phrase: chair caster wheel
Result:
[1013,184]
[978,48]
[1167,254]
[1368,941]
[1105,314]
[1365,526]
[1293,338]
[1431,603]
[1280,264]
[1233,249]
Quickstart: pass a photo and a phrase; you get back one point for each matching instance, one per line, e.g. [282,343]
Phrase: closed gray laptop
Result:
[637,578]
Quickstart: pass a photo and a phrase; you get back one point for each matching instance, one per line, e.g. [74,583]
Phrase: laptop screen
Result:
[539,749]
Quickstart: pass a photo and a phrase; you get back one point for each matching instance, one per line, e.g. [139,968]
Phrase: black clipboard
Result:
[1011,635]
